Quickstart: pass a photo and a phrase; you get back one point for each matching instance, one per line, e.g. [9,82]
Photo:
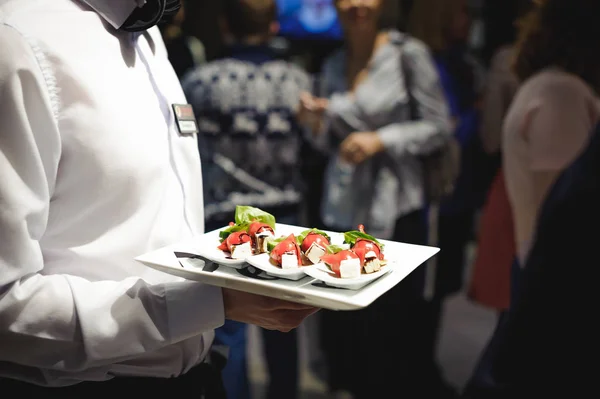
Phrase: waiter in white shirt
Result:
[94,171]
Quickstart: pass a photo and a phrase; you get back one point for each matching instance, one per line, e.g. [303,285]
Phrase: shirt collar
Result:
[115,12]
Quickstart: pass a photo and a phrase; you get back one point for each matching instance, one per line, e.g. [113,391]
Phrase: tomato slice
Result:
[258,227]
[286,246]
[363,247]
[335,260]
[237,238]
[314,238]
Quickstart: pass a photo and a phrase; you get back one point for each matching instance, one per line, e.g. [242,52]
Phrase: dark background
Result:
[495,15]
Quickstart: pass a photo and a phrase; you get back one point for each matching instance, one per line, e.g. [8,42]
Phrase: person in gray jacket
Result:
[377,123]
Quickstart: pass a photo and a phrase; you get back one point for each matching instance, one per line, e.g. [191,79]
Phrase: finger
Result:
[280,304]
[305,100]
[361,157]
[292,319]
[351,152]
[311,103]
[322,104]
[286,320]
[358,157]
[346,157]
[347,147]
[305,96]
[311,312]
[344,151]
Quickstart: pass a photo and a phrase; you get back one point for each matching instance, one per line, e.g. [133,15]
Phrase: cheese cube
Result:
[241,251]
[372,263]
[350,268]
[262,240]
[315,252]
[289,260]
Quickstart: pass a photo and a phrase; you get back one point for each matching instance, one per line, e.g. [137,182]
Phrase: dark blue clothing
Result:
[233,335]
[546,346]
[254,54]
[249,139]
[459,76]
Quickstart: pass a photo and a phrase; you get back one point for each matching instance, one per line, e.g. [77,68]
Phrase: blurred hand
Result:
[265,312]
[360,146]
[311,111]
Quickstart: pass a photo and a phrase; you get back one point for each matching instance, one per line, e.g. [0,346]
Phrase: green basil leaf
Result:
[272,242]
[350,237]
[305,233]
[244,215]
[223,234]
[334,249]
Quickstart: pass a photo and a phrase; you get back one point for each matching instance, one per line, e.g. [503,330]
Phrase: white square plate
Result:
[206,246]
[402,258]
[263,263]
[321,272]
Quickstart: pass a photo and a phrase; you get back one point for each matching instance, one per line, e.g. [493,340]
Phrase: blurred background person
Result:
[542,347]
[490,280]
[249,143]
[445,27]
[185,51]
[555,108]
[374,176]
[547,127]
[550,158]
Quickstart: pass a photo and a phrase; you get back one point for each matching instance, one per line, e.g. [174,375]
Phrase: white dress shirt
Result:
[93,173]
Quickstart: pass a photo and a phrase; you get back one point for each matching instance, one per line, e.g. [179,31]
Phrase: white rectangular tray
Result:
[307,290]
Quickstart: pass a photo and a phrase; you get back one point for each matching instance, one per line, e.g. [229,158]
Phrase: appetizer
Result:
[258,226]
[238,244]
[287,254]
[253,233]
[314,244]
[345,263]
[260,233]
[368,249]
[365,255]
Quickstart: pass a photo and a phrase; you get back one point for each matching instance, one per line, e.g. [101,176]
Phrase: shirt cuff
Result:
[193,308]
[389,136]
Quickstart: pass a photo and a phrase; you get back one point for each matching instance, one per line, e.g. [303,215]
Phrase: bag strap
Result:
[407,76]
[433,211]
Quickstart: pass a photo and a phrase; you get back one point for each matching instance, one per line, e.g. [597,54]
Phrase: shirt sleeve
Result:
[64,322]
[432,126]
[558,125]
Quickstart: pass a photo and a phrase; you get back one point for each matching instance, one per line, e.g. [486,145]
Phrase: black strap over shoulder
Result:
[400,41]
[442,167]
[150,14]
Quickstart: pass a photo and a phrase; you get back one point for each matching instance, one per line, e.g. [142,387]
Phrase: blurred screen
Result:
[308,20]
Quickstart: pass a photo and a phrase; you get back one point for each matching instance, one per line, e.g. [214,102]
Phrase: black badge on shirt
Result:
[186,120]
